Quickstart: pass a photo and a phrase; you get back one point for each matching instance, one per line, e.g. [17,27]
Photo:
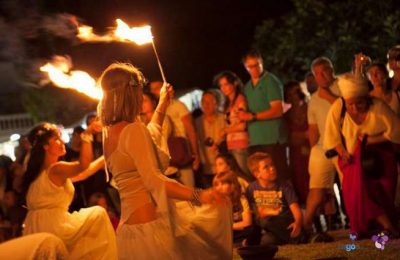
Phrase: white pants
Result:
[322,170]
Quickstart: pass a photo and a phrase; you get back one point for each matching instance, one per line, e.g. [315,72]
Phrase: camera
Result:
[331,153]
[209,142]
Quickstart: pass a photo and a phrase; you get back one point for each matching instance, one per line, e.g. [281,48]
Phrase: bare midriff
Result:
[143,214]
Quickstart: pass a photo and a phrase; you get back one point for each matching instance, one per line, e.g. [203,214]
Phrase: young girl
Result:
[226,162]
[99,199]
[227,183]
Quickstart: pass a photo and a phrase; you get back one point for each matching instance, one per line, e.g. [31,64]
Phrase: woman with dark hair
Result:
[296,119]
[149,105]
[237,138]
[225,162]
[378,76]
[153,225]
[47,183]
[393,57]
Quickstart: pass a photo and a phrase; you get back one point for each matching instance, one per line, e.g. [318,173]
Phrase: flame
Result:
[60,74]
[123,33]
[139,35]
[85,33]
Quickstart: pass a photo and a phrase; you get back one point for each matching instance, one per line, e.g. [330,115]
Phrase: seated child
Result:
[227,183]
[274,203]
[14,212]
[226,162]
[99,199]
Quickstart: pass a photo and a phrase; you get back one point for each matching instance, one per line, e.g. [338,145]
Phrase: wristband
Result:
[254,118]
[161,113]
[195,200]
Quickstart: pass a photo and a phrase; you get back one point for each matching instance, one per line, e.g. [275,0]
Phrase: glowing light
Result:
[122,33]
[85,33]
[14,137]
[139,35]
[60,74]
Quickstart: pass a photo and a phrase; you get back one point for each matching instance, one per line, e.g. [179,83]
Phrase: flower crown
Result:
[134,83]
[44,130]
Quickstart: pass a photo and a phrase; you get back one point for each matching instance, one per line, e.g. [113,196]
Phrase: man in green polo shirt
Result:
[264,95]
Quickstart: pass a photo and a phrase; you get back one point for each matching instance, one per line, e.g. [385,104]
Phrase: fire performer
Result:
[47,183]
[153,225]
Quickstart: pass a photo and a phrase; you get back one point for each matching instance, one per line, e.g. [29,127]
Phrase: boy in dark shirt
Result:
[274,204]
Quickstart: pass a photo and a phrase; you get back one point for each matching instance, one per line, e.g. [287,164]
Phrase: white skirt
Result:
[87,234]
[152,240]
[201,233]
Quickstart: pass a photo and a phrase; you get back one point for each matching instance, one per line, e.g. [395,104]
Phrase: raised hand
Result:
[166,93]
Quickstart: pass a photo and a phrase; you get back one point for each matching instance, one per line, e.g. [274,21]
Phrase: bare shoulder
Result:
[120,131]
[59,172]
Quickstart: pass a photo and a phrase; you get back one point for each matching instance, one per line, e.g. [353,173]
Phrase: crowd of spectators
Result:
[276,150]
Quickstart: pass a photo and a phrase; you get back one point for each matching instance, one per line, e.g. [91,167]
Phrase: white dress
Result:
[37,246]
[87,234]
[180,231]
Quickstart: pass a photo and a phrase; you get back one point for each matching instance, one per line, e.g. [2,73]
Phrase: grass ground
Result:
[365,249]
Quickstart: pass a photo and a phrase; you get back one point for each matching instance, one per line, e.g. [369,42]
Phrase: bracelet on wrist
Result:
[161,113]
[254,118]
[195,199]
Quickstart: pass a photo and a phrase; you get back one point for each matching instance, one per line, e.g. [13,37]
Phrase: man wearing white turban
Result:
[351,86]
[365,116]
[366,198]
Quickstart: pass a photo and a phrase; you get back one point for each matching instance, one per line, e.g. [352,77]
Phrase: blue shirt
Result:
[275,200]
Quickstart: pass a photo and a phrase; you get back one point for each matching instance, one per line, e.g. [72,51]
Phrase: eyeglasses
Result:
[252,66]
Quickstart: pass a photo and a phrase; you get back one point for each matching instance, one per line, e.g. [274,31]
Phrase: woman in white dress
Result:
[47,183]
[153,225]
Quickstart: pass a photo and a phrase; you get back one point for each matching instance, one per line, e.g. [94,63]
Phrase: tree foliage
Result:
[27,46]
[60,106]
[335,29]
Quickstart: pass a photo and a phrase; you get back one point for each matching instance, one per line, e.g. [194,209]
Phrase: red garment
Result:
[366,198]
[113,219]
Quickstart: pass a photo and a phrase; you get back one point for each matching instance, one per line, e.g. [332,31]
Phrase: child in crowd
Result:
[99,199]
[227,183]
[14,212]
[226,162]
[274,203]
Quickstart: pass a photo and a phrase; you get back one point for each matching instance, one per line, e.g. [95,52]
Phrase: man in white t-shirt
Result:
[321,169]
[209,128]
[183,127]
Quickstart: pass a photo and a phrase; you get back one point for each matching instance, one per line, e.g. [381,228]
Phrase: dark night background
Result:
[195,39]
